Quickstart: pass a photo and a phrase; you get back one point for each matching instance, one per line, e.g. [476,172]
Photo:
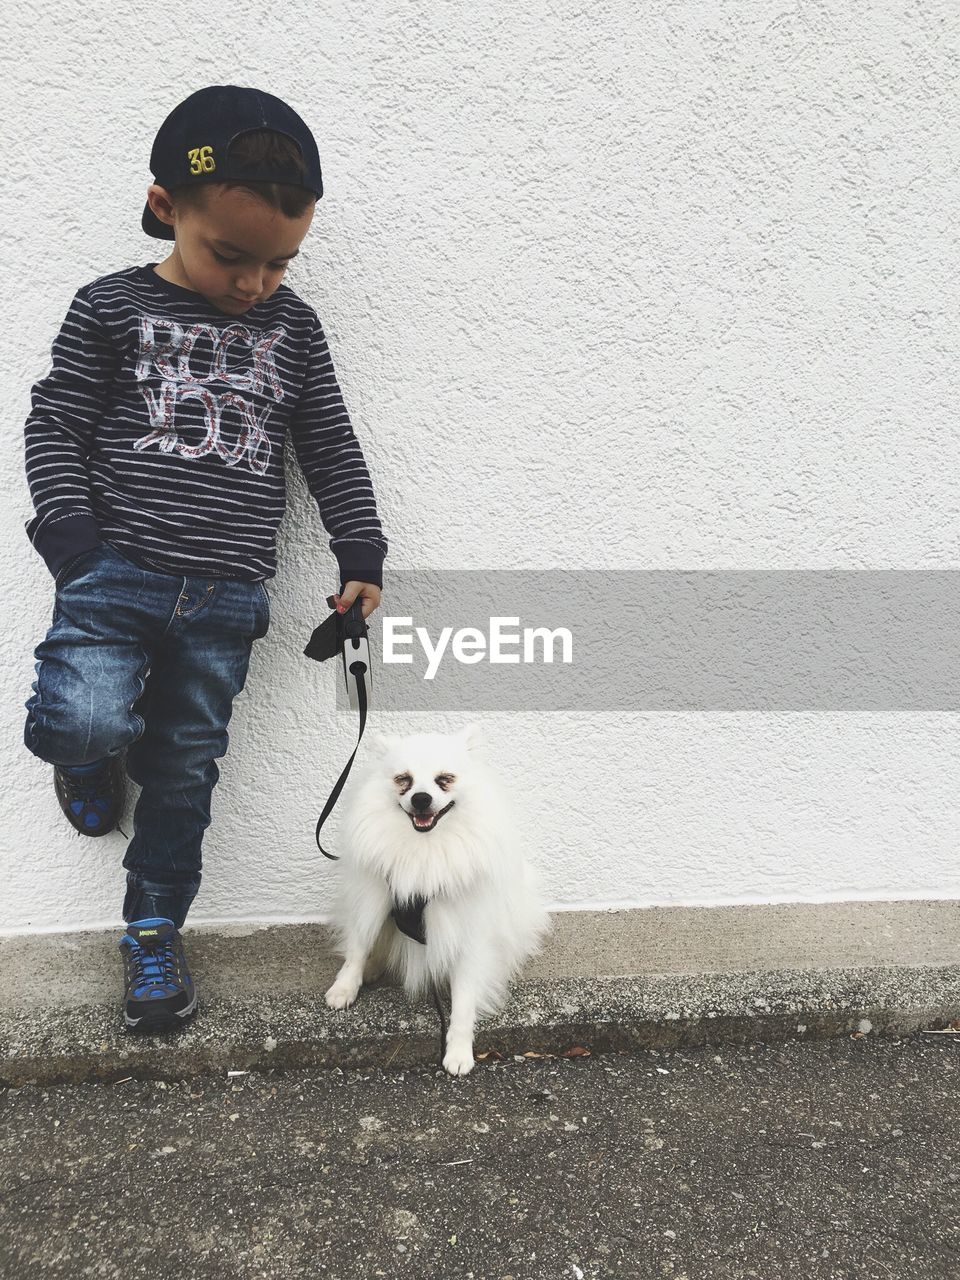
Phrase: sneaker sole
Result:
[164,1022]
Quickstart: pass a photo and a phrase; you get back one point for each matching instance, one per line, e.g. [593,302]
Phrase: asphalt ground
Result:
[814,1159]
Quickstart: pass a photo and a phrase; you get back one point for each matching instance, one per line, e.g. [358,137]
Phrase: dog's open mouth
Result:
[427,821]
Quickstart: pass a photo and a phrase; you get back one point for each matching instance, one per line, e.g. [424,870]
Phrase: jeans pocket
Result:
[66,572]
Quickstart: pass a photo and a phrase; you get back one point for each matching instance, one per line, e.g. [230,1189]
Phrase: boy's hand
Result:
[368,592]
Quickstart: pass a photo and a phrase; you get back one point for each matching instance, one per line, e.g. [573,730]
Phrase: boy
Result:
[154,456]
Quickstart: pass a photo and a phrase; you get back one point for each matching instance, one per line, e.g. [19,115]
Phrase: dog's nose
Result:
[421,801]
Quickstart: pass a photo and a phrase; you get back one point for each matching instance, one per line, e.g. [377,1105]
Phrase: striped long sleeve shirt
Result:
[160,430]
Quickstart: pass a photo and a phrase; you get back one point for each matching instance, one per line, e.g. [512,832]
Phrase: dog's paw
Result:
[341,995]
[458,1059]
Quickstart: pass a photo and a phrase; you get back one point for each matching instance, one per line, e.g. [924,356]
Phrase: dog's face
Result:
[427,774]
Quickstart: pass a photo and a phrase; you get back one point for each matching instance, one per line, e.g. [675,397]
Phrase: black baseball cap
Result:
[191,145]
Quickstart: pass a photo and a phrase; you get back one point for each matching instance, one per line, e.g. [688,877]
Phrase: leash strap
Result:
[339,634]
[409,920]
[356,670]
[443,1019]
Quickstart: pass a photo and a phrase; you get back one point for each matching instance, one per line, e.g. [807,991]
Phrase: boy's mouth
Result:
[427,821]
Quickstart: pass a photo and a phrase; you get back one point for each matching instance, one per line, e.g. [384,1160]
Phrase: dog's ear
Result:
[472,736]
[383,742]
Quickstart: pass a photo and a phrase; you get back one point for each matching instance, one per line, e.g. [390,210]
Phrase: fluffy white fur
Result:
[484,914]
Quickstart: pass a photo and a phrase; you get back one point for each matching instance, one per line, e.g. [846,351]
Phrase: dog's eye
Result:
[444,780]
[403,781]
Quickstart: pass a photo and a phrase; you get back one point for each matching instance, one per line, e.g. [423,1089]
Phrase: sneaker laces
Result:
[86,786]
[153,966]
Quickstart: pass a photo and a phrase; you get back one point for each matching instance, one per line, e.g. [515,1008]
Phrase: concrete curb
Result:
[543,1016]
[605,981]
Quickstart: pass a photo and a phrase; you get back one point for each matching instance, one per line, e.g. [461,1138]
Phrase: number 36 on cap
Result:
[201,160]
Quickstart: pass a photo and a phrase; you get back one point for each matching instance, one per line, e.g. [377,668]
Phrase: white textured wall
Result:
[617,285]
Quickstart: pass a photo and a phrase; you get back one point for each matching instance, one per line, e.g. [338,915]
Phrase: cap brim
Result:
[154,227]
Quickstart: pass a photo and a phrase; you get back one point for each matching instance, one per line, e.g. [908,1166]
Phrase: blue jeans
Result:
[148,663]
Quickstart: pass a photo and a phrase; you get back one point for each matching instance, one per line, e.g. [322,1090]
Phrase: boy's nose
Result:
[249,287]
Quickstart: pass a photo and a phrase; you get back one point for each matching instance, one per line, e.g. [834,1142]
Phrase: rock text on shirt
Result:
[176,354]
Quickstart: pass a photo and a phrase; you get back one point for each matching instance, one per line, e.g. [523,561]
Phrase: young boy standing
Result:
[154,456]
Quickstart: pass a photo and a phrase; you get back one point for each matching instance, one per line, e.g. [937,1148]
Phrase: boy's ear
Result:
[472,736]
[160,202]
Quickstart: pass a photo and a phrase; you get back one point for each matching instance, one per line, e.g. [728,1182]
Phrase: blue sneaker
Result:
[91,795]
[158,990]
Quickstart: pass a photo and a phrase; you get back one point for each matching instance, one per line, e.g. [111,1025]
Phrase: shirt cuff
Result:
[359,562]
[62,536]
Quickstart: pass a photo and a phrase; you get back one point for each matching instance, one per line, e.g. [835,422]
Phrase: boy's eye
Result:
[275,266]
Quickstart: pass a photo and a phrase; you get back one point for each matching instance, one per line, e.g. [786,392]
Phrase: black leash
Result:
[443,1020]
[335,793]
[346,633]
[409,920]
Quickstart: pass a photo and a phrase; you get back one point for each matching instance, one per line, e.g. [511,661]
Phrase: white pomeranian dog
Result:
[425,819]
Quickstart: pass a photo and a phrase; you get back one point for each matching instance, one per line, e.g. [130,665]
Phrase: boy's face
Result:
[233,249]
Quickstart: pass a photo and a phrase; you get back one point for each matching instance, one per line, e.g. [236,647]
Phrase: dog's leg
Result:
[465,985]
[349,979]
[364,925]
[376,962]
